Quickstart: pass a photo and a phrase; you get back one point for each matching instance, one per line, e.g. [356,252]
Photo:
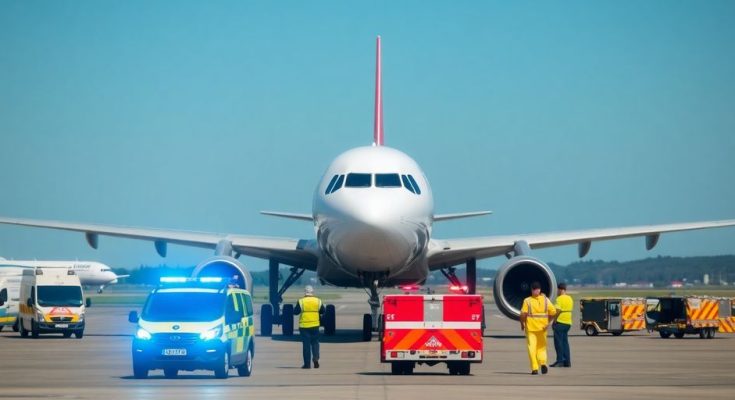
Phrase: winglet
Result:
[378,129]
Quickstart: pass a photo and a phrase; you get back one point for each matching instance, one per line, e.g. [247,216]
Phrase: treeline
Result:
[660,271]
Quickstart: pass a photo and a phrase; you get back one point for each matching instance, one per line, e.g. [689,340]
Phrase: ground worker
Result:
[309,308]
[564,305]
[536,313]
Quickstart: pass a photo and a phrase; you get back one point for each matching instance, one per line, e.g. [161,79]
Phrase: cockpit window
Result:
[105,270]
[335,184]
[387,180]
[358,180]
[331,183]
[407,184]
[416,188]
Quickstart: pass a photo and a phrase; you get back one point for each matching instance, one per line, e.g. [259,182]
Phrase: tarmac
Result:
[632,366]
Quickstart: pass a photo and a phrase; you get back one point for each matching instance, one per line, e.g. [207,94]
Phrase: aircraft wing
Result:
[448,252]
[299,252]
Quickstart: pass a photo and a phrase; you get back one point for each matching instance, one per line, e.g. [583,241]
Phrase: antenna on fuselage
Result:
[378,129]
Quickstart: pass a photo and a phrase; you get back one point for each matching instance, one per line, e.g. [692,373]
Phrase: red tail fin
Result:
[378,130]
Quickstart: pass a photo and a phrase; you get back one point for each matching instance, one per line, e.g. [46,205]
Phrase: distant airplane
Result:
[373,213]
[91,273]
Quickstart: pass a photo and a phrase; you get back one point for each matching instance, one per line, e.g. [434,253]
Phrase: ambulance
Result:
[51,301]
[194,323]
[431,329]
[9,291]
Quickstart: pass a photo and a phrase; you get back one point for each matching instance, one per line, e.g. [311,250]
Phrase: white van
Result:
[51,301]
[9,292]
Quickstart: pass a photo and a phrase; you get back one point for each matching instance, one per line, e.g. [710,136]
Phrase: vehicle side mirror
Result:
[88,302]
[133,317]
[29,303]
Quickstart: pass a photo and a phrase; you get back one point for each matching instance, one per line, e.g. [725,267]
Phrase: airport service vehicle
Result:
[727,315]
[51,301]
[372,212]
[681,315]
[431,329]
[612,315]
[9,292]
[189,324]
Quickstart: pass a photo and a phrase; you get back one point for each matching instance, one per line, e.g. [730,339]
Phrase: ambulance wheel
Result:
[664,335]
[679,335]
[266,320]
[67,334]
[590,330]
[21,329]
[367,327]
[247,367]
[330,320]
[222,370]
[1,327]
[34,329]
[15,326]
[170,373]
[617,333]
[703,334]
[79,334]
[287,320]
[140,371]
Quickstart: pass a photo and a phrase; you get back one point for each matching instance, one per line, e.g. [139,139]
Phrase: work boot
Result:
[534,372]
[316,363]
[567,365]
[556,364]
[544,369]
[305,366]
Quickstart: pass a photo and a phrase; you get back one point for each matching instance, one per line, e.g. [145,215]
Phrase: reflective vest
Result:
[309,317]
[564,305]
[539,309]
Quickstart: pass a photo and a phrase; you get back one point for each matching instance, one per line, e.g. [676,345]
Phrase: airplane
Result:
[373,214]
[91,273]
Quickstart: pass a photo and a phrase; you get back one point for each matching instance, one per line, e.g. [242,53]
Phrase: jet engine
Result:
[227,268]
[513,283]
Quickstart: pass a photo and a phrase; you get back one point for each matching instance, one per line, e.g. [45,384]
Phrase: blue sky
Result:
[196,115]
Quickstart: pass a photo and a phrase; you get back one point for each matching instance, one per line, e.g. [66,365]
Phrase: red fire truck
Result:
[431,329]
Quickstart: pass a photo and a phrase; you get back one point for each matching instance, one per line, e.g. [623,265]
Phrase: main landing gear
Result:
[276,313]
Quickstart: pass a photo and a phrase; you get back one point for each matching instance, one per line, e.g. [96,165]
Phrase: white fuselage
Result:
[374,226]
[89,272]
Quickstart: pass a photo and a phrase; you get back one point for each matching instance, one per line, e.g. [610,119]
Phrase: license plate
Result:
[62,325]
[174,352]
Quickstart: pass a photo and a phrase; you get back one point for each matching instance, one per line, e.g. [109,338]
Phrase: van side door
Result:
[233,326]
[249,318]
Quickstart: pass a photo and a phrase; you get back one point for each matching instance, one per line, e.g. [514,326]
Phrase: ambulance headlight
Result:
[211,333]
[142,334]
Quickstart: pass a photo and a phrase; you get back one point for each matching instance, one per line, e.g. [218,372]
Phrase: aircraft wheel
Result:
[590,330]
[287,320]
[367,327]
[266,320]
[330,320]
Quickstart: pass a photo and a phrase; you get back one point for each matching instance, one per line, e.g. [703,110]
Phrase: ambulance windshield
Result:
[59,296]
[184,307]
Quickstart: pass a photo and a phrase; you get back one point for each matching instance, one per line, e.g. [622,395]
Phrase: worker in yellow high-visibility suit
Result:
[309,308]
[564,306]
[536,313]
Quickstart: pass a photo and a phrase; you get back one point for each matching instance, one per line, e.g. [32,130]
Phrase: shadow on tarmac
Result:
[341,336]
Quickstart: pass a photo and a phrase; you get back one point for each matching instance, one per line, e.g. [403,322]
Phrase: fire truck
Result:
[680,315]
[431,329]
[727,315]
